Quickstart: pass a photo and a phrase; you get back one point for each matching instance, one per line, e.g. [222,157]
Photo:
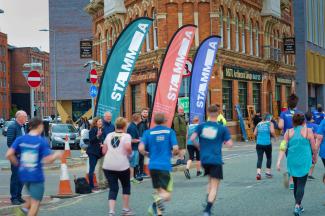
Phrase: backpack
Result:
[84,139]
[82,186]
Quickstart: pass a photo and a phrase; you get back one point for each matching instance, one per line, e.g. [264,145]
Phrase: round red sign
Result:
[93,76]
[34,79]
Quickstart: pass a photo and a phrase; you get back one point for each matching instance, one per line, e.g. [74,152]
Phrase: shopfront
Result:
[282,91]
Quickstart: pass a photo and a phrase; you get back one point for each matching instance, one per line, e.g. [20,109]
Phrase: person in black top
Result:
[142,126]
[257,119]
[94,150]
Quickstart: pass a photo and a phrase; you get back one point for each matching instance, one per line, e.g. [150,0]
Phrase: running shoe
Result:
[301,208]
[187,174]
[292,186]
[311,177]
[111,214]
[268,175]
[135,181]
[258,177]
[206,213]
[20,212]
[159,203]
[184,162]
[286,180]
[199,174]
[127,212]
[297,211]
[152,210]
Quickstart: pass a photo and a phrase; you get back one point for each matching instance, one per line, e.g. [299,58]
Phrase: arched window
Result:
[221,27]
[228,31]
[257,41]
[251,37]
[243,38]
[155,30]
[237,33]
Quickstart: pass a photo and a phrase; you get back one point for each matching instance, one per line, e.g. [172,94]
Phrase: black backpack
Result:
[82,186]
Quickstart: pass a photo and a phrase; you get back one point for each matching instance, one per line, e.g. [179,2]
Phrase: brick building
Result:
[19,89]
[251,68]
[4,78]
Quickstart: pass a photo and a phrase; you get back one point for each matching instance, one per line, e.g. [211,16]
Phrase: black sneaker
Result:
[21,200]
[311,177]
[187,173]
[16,202]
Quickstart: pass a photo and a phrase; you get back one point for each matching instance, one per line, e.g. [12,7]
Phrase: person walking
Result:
[159,143]
[299,142]
[212,136]
[193,151]
[134,132]
[14,131]
[318,115]
[179,125]
[33,150]
[94,150]
[263,132]
[108,127]
[314,128]
[117,149]
[320,143]
[142,126]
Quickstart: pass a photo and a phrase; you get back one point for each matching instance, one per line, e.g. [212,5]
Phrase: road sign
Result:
[185,103]
[188,68]
[93,76]
[93,91]
[34,79]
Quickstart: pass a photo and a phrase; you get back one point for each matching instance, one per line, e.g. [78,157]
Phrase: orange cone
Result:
[87,175]
[145,166]
[67,151]
[64,186]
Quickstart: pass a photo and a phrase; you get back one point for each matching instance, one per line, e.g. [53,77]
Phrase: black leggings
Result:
[299,189]
[260,149]
[113,177]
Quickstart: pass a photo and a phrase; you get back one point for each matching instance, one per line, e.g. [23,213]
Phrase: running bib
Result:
[29,159]
[209,133]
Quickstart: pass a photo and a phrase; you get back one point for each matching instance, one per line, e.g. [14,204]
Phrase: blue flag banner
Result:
[202,68]
[119,67]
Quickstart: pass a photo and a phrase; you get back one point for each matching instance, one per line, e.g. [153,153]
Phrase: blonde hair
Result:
[120,123]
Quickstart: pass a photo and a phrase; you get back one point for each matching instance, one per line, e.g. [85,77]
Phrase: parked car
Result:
[47,118]
[2,121]
[58,132]
[5,127]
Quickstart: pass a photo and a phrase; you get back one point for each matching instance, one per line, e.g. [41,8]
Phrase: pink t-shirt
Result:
[116,157]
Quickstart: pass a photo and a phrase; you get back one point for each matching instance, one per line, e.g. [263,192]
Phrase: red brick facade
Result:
[251,41]
[4,78]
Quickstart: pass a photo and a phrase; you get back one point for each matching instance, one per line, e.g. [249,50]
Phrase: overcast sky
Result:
[21,21]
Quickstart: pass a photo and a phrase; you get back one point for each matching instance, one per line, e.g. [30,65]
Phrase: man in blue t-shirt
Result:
[212,136]
[33,149]
[320,143]
[318,115]
[159,143]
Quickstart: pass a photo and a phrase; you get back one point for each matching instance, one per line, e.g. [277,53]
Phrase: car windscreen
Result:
[8,123]
[63,129]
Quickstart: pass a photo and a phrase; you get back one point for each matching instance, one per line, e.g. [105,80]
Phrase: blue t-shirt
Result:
[159,142]
[134,132]
[313,126]
[263,133]
[212,135]
[190,130]
[287,118]
[318,117]
[32,150]
[321,131]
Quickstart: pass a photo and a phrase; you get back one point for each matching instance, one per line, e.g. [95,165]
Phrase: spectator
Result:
[318,115]
[142,126]
[179,125]
[257,119]
[16,130]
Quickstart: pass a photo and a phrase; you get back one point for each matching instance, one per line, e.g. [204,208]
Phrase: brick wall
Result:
[4,78]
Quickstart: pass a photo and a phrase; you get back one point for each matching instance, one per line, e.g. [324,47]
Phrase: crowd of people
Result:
[118,151]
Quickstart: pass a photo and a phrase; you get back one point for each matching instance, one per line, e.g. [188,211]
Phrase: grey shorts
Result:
[35,190]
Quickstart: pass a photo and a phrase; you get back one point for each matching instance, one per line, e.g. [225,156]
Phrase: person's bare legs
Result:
[111,205]
[213,187]
[165,196]
[188,164]
[132,172]
[311,170]
[27,203]
[198,166]
[126,199]
[181,154]
[34,207]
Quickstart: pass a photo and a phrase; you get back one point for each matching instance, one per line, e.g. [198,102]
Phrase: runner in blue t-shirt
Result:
[212,136]
[159,143]
[320,143]
[33,149]
[285,123]
[318,115]
[314,128]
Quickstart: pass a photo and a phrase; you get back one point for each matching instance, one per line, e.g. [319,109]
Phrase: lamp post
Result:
[55,72]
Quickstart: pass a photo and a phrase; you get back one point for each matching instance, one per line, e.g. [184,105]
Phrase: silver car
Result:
[5,127]
[57,135]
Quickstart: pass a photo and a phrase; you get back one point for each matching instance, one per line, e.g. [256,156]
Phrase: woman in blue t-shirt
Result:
[263,132]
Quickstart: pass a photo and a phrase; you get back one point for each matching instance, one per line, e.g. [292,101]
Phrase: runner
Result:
[33,150]
[314,127]
[117,149]
[318,115]
[320,143]
[285,123]
[193,151]
[263,132]
[157,143]
[212,136]
[300,140]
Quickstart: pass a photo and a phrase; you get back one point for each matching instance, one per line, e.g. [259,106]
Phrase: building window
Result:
[221,27]
[135,91]
[237,34]
[257,97]
[155,31]
[242,95]
[288,91]
[243,38]
[151,89]
[228,31]
[257,42]
[227,99]
[251,38]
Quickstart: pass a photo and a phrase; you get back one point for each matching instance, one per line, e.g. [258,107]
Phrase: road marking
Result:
[64,205]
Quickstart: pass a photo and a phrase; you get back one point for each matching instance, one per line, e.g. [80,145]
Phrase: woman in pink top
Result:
[117,149]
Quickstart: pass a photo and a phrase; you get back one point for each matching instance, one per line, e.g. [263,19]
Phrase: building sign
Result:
[289,45]
[241,74]
[283,80]
[86,49]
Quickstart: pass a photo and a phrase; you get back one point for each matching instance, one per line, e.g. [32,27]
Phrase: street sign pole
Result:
[92,107]
[32,102]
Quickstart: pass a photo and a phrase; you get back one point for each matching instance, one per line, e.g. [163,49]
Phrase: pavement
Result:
[239,193]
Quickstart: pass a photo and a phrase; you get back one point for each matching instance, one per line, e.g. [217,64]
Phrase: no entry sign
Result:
[93,76]
[34,79]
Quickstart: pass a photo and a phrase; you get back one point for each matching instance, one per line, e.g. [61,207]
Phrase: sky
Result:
[21,21]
